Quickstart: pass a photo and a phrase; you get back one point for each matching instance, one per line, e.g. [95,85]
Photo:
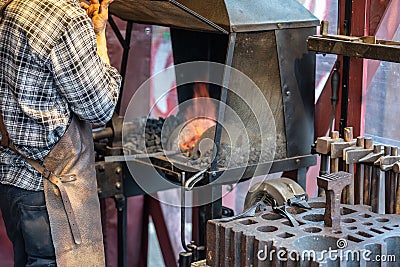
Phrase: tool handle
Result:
[335,86]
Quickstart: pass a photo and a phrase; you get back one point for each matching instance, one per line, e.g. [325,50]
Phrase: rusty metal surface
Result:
[233,16]
[351,48]
[333,184]
[238,243]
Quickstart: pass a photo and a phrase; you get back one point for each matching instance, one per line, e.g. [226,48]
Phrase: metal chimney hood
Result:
[229,15]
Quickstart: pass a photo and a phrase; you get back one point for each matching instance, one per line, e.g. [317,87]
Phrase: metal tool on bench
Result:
[333,146]
[338,147]
[277,193]
[259,207]
[394,183]
[333,185]
[396,170]
[372,176]
[386,163]
[348,191]
[351,157]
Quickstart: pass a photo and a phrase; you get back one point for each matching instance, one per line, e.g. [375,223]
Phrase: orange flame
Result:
[202,116]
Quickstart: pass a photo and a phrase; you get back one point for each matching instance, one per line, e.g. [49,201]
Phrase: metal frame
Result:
[125,43]
[214,209]
[116,182]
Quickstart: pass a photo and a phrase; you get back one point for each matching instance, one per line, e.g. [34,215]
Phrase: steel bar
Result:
[393,184]
[358,185]
[227,176]
[198,16]
[368,143]
[387,186]
[183,213]
[192,181]
[141,156]
[397,201]
[122,222]
[355,49]
[396,170]
[375,182]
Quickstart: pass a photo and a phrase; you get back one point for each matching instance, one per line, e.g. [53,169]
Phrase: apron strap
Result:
[5,141]
[54,179]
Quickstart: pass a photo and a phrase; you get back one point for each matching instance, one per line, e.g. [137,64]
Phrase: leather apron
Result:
[70,189]
[73,157]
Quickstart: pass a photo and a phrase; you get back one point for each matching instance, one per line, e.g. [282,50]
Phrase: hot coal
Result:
[147,135]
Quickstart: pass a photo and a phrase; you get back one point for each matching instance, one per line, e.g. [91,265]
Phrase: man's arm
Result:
[98,13]
[102,46]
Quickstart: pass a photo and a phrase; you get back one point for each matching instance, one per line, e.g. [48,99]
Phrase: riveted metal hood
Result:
[230,15]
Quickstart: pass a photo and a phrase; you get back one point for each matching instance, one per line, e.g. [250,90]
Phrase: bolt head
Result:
[118,185]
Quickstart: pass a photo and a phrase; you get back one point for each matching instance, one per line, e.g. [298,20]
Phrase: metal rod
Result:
[375,182]
[345,95]
[116,31]
[396,170]
[393,186]
[397,202]
[335,82]
[198,16]
[192,181]
[367,181]
[368,143]
[141,156]
[223,98]
[392,196]
[124,61]
[388,181]
[183,211]
[358,183]
[122,222]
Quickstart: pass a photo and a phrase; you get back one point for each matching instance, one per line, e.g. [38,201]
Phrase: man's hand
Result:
[98,13]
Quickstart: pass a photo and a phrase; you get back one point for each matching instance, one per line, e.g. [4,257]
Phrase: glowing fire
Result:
[200,116]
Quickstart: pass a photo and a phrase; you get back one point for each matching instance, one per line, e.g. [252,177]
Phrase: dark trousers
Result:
[27,223]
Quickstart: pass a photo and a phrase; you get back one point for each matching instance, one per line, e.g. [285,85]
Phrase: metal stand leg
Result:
[122,222]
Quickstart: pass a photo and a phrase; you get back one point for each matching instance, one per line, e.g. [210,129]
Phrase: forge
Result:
[250,60]
[254,74]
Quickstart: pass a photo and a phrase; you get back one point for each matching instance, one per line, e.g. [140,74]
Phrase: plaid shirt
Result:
[48,68]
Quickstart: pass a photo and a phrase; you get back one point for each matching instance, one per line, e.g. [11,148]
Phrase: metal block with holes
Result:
[267,239]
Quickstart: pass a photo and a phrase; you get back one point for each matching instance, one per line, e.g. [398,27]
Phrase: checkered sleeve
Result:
[90,86]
